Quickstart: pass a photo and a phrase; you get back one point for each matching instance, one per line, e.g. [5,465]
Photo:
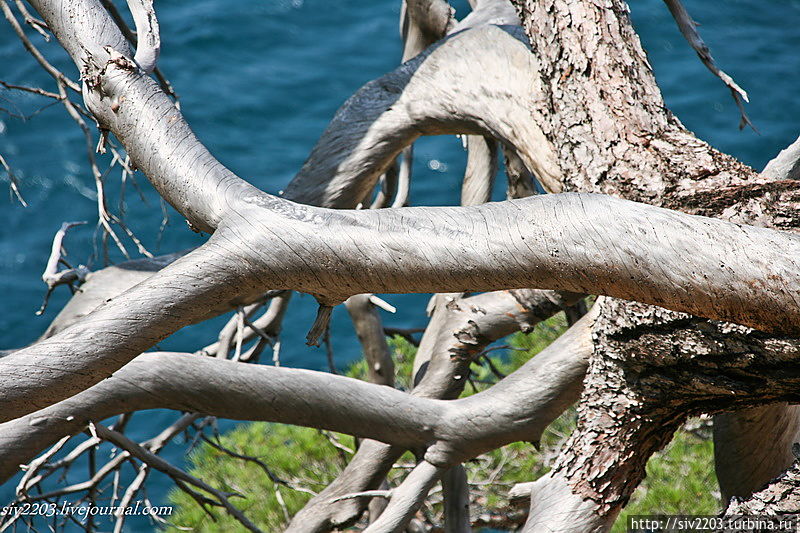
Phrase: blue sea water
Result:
[259,81]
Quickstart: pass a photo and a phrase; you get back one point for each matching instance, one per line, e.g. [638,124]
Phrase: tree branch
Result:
[688,28]
[148,40]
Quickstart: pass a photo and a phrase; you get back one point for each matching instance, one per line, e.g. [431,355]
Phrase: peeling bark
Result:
[782,496]
[584,114]
[749,289]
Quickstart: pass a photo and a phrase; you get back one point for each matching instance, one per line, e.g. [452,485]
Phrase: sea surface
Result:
[259,80]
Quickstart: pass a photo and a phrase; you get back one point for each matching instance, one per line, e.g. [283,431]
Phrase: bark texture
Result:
[523,406]
[583,113]
[782,496]
[604,115]
[445,378]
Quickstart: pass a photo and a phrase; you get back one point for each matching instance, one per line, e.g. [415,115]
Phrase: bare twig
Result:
[29,46]
[180,477]
[688,28]
[364,494]
[255,460]
[103,216]
[14,183]
[166,86]
[34,90]
[32,21]
[51,275]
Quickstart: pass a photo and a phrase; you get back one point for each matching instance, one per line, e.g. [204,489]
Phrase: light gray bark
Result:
[481,170]
[786,166]
[369,329]
[148,41]
[461,328]
[742,464]
[555,508]
[741,274]
[102,285]
[732,279]
[737,273]
[526,402]
[444,380]
[406,499]
[471,74]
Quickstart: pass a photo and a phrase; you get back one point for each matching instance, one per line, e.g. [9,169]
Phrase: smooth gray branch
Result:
[148,39]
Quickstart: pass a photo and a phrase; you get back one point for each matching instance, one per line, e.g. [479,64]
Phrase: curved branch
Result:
[193,288]
[686,263]
[736,273]
[529,400]
[555,373]
[473,82]
[106,284]
[741,462]
[148,40]
[481,170]
[227,389]
[406,499]
[712,268]
[461,328]
[130,104]
[422,23]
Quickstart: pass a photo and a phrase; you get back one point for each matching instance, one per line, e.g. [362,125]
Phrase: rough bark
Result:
[743,274]
[624,142]
[781,497]
[633,403]
[565,128]
[739,470]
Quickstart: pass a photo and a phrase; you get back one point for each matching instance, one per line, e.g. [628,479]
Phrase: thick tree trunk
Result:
[603,114]
[322,255]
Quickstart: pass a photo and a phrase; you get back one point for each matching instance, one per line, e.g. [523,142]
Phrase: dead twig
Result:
[688,28]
